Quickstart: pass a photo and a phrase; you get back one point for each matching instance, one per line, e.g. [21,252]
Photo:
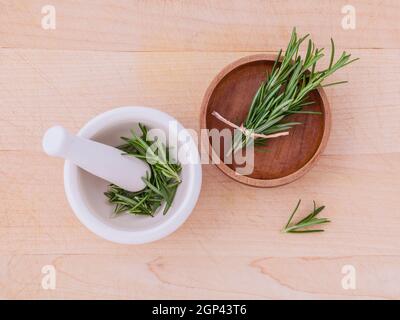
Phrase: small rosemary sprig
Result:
[286,91]
[309,221]
[162,184]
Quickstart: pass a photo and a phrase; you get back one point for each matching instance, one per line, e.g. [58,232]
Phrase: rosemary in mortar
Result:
[309,221]
[161,185]
[286,91]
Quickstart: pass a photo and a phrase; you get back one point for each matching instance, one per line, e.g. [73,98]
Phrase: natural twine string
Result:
[247,132]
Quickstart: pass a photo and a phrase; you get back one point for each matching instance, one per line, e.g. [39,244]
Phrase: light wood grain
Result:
[164,54]
[151,25]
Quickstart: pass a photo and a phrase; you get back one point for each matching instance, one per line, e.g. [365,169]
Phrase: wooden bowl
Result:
[283,159]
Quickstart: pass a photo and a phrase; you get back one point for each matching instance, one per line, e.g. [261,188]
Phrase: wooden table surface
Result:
[163,54]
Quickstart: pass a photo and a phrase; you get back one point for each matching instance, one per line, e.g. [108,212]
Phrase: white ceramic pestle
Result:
[99,159]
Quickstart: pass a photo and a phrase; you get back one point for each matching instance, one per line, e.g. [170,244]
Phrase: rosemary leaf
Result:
[309,221]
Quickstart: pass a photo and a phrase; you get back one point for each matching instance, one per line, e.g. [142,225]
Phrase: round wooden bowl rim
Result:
[262,183]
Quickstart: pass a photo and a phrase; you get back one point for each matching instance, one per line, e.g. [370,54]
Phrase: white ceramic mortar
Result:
[85,191]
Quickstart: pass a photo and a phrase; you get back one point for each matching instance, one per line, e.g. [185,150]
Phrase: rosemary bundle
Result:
[161,185]
[285,91]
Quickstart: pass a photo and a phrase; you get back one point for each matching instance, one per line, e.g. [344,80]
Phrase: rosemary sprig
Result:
[286,90]
[309,221]
[161,185]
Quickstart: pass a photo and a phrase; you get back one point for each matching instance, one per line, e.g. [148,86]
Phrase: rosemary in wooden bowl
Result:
[285,91]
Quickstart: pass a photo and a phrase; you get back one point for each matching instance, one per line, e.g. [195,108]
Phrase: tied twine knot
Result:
[245,131]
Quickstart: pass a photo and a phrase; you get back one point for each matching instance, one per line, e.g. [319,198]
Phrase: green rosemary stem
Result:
[302,225]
